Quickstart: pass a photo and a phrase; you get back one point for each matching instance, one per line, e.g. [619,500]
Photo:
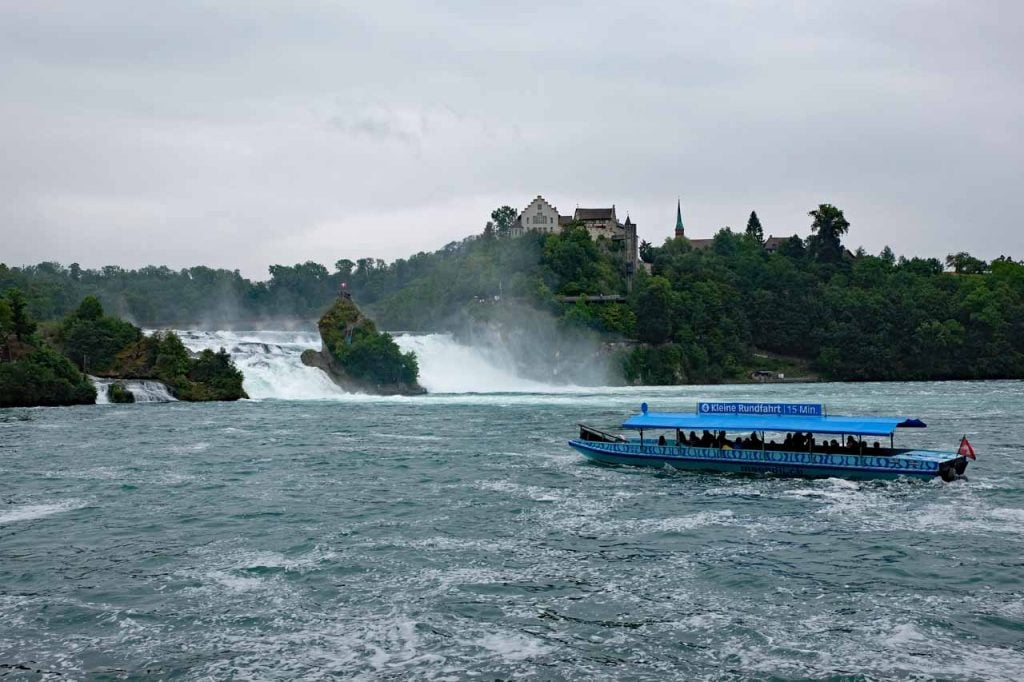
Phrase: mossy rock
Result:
[117,392]
[359,358]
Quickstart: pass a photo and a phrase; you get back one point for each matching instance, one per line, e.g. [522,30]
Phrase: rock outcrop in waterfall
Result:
[360,359]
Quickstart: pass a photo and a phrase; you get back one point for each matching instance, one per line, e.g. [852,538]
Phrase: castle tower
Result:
[631,258]
[679,219]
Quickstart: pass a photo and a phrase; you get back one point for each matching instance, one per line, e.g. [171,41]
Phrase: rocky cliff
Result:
[358,357]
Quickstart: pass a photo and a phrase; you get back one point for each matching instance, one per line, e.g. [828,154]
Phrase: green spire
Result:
[679,217]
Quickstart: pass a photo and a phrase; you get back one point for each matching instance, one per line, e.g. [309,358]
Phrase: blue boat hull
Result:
[922,464]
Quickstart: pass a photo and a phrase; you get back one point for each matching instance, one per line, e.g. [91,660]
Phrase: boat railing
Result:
[593,435]
[867,450]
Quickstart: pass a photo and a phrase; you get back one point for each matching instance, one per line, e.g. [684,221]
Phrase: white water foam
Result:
[270,362]
[447,366]
[28,512]
[144,390]
[272,366]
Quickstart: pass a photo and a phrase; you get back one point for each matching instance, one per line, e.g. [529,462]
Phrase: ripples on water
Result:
[457,535]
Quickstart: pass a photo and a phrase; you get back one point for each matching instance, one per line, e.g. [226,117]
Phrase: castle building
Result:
[539,215]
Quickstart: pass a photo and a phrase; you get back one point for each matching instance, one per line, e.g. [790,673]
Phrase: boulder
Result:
[359,358]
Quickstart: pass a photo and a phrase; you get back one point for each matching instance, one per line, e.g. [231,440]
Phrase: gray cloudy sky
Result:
[243,133]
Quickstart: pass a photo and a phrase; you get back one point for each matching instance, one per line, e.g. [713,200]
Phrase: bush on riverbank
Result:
[43,377]
[207,376]
[93,340]
[33,373]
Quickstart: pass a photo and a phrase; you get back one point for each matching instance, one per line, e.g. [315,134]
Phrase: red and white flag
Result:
[966,449]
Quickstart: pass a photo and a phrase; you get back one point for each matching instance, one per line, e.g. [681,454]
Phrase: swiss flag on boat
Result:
[966,449]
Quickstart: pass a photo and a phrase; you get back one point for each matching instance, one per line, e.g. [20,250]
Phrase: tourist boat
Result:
[785,439]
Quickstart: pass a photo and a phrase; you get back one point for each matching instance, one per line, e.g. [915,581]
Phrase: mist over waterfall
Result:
[271,364]
[447,366]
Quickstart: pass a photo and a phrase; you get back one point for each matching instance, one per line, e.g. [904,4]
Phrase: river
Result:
[313,534]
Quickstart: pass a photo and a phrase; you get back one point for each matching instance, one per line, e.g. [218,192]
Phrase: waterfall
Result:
[144,390]
[271,364]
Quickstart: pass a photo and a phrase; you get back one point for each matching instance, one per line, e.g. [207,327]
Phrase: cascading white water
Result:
[271,363]
[447,366]
[144,390]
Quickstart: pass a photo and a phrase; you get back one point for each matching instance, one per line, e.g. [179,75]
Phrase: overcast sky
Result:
[240,134]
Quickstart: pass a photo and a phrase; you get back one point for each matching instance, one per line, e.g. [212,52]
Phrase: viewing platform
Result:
[598,298]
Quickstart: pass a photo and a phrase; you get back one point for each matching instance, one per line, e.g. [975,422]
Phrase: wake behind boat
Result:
[807,445]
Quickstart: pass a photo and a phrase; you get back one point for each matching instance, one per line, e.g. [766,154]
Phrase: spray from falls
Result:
[271,364]
[447,366]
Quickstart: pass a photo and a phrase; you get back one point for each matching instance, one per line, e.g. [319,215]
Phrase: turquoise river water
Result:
[456,536]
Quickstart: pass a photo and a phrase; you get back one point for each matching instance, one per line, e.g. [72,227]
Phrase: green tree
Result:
[43,377]
[6,320]
[793,248]
[344,267]
[488,230]
[646,251]
[93,340]
[503,218]
[172,359]
[828,227]
[24,326]
[754,229]
[963,263]
[89,309]
[654,311]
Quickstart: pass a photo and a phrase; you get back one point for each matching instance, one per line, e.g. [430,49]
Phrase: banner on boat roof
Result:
[786,409]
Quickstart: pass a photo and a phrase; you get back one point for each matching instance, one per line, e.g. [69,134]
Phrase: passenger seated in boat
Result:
[755,442]
[694,441]
[851,444]
[876,447]
[833,445]
[661,439]
[706,440]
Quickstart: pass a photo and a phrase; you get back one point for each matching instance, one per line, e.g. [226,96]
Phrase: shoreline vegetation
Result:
[49,364]
[723,310]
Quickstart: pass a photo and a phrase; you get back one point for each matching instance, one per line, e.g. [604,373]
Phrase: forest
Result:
[700,315]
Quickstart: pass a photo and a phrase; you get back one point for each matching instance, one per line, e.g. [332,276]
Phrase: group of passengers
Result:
[794,442]
[799,442]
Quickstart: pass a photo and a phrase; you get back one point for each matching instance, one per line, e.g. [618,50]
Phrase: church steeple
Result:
[679,219]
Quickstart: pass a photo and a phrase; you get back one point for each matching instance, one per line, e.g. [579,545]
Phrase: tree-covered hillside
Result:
[853,317]
[418,292]
[701,315]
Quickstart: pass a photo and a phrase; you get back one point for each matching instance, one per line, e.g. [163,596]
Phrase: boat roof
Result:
[768,420]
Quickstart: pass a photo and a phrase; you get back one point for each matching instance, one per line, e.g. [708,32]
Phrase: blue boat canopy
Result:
[864,426]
